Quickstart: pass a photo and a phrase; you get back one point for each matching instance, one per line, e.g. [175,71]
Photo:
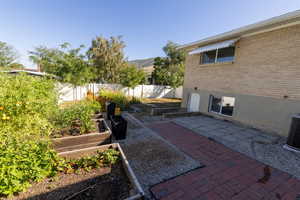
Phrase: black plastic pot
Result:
[110,110]
[294,133]
[119,127]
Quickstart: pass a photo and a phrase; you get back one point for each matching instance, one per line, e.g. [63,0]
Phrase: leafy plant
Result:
[25,154]
[131,76]
[118,97]
[8,57]
[77,116]
[69,64]
[110,156]
[169,70]
[102,158]
[24,162]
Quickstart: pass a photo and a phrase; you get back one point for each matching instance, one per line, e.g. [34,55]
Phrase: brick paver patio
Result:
[227,174]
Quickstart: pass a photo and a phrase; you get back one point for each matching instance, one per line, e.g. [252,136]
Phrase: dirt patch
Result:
[74,130]
[152,155]
[110,183]
[152,159]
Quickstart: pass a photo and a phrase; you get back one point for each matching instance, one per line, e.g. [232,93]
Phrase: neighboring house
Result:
[31,72]
[250,74]
[147,65]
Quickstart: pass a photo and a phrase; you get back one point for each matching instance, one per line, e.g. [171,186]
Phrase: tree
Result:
[169,70]
[64,62]
[131,76]
[107,57]
[8,56]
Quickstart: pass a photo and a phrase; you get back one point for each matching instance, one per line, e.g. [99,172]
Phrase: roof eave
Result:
[246,29]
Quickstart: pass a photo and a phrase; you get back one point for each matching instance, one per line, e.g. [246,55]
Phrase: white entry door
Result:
[194,103]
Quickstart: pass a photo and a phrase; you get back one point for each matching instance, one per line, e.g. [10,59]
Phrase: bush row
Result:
[118,97]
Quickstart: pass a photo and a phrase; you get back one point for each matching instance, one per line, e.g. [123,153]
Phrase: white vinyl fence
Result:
[68,93]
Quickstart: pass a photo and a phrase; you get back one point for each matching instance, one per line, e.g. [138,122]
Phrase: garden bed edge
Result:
[128,170]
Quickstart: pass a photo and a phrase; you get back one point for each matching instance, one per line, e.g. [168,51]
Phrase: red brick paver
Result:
[227,174]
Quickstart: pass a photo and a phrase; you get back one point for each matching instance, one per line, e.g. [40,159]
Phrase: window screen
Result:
[208,57]
[225,54]
[218,56]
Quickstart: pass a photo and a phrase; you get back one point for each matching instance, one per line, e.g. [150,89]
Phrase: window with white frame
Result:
[218,55]
[222,105]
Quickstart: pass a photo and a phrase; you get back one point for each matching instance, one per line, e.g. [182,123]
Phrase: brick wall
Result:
[267,64]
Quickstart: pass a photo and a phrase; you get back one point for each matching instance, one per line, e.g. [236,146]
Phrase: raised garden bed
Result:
[105,183]
[162,110]
[157,108]
[97,116]
[69,142]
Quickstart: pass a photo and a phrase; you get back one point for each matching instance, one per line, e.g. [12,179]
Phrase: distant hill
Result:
[142,63]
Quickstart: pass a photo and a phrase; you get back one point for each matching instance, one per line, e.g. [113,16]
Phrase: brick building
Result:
[250,74]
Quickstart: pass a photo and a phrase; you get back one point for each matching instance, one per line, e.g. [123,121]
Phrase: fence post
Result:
[142,93]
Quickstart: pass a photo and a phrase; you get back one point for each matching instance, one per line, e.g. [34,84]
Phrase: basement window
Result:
[222,105]
[218,55]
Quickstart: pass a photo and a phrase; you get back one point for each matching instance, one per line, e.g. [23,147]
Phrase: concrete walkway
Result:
[227,174]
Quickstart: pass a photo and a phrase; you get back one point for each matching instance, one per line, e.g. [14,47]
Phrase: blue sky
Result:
[146,25]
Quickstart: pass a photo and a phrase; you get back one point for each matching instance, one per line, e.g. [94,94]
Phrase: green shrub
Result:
[117,97]
[93,105]
[26,103]
[26,94]
[77,115]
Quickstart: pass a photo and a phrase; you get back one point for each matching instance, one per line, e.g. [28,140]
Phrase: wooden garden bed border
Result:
[139,193]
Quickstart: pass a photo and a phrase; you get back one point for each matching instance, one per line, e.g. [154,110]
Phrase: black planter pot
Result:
[110,110]
[119,127]
[293,140]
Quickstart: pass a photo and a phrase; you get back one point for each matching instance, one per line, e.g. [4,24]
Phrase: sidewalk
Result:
[227,174]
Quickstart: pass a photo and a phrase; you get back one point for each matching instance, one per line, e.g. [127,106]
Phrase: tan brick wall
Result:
[267,64]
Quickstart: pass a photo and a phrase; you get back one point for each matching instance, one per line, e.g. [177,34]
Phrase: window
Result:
[215,104]
[224,105]
[227,106]
[209,57]
[218,55]
[225,54]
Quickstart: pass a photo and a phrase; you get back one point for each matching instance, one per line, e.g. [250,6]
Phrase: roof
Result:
[30,72]
[142,63]
[291,18]
[26,71]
